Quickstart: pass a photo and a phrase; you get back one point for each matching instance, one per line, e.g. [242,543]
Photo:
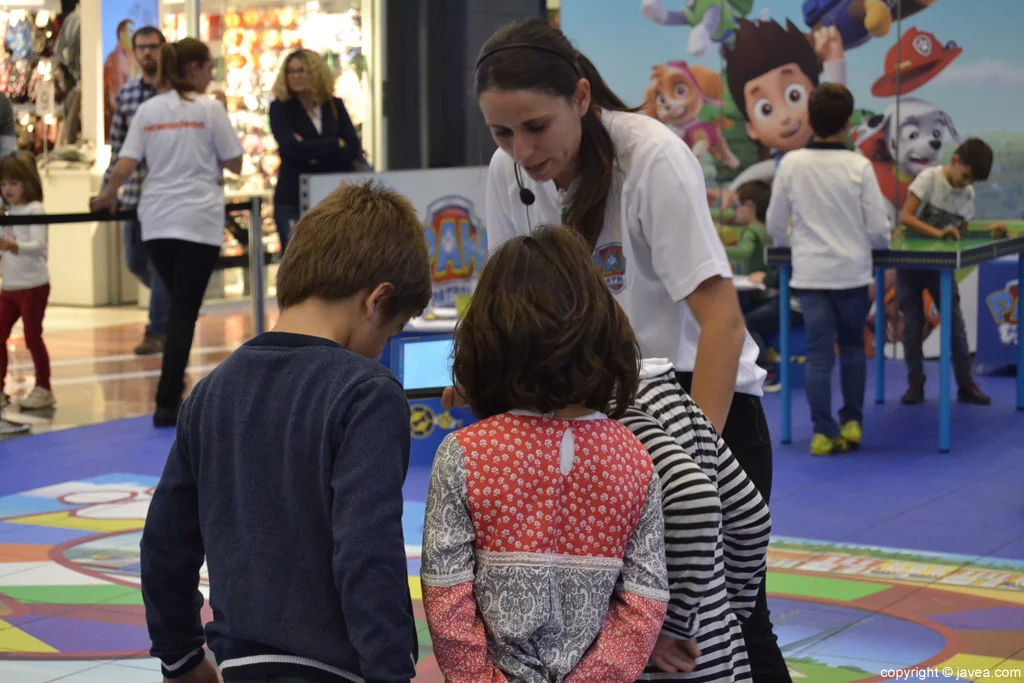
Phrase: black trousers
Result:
[185,268]
[746,434]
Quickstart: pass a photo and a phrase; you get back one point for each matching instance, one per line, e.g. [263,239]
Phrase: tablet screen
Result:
[424,364]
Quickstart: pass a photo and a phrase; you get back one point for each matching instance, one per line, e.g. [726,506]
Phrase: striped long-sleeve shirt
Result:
[716,530]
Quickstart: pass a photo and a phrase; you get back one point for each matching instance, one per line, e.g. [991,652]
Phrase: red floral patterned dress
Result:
[543,551]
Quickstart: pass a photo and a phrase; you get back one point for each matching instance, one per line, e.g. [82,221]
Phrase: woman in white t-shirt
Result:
[185,140]
[571,152]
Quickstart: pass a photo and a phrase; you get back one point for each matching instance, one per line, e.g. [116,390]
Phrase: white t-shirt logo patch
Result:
[612,262]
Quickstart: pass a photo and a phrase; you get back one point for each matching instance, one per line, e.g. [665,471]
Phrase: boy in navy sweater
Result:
[287,469]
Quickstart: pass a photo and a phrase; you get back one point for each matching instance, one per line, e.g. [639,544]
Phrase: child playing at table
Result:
[761,309]
[839,215]
[543,544]
[26,275]
[940,204]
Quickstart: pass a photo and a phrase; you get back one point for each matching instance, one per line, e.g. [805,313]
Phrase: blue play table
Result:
[918,254]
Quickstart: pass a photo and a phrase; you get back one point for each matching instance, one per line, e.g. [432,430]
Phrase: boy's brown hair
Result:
[22,166]
[358,237]
[976,155]
[760,193]
[543,332]
[829,109]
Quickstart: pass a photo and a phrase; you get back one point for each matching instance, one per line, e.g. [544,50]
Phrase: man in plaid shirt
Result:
[146,44]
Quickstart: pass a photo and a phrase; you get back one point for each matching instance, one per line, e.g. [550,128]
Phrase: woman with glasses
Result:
[313,131]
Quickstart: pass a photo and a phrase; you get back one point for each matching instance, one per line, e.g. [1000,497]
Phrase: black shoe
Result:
[914,394]
[151,346]
[165,417]
[970,393]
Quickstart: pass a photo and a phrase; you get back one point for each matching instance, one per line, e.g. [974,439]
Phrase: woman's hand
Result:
[298,137]
[452,397]
[756,278]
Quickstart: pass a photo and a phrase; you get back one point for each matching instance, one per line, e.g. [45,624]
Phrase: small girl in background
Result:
[543,545]
[25,286]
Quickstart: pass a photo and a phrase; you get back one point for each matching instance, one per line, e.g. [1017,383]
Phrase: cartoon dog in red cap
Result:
[905,140]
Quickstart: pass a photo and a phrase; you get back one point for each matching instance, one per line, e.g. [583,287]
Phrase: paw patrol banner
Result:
[732,78]
[451,203]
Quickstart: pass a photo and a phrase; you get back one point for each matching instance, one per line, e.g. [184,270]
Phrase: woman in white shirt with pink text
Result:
[186,140]
[571,152]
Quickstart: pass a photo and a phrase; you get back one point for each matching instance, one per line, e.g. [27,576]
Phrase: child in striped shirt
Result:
[716,534]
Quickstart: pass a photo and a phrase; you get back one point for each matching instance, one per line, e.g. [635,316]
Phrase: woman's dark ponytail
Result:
[532,55]
[597,158]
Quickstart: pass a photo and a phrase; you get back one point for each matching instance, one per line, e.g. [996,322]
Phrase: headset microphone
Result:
[525,196]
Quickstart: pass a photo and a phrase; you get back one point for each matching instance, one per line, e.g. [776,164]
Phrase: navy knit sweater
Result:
[286,474]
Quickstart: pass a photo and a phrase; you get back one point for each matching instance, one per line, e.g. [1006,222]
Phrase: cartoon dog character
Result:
[677,95]
[900,149]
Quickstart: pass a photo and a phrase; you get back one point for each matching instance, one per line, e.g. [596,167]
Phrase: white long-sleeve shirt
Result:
[26,269]
[838,213]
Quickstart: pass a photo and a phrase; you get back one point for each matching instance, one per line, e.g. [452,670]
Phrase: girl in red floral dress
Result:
[543,545]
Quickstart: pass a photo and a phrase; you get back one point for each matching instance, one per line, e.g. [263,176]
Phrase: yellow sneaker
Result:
[822,445]
[852,432]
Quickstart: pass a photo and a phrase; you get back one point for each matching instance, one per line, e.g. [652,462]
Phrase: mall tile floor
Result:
[890,557]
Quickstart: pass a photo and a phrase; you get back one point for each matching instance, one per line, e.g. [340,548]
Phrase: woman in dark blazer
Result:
[313,131]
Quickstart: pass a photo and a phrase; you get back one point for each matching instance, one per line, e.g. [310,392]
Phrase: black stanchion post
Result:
[256,265]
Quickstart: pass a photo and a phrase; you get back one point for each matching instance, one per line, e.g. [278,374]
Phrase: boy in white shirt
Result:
[832,198]
[939,205]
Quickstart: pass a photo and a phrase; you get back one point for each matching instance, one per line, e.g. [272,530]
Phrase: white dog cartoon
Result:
[913,142]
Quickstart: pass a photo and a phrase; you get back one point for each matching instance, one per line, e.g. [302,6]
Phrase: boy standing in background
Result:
[939,206]
[839,215]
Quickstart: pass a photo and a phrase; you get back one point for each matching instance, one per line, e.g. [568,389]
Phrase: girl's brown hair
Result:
[22,166]
[543,332]
[174,61]
[318,76]
[533,55]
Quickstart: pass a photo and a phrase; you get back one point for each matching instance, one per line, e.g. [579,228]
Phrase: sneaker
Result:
[150,346]
[852,432]
[772,385]
[914,394]
[38,399]
[822,445]
[971,393]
